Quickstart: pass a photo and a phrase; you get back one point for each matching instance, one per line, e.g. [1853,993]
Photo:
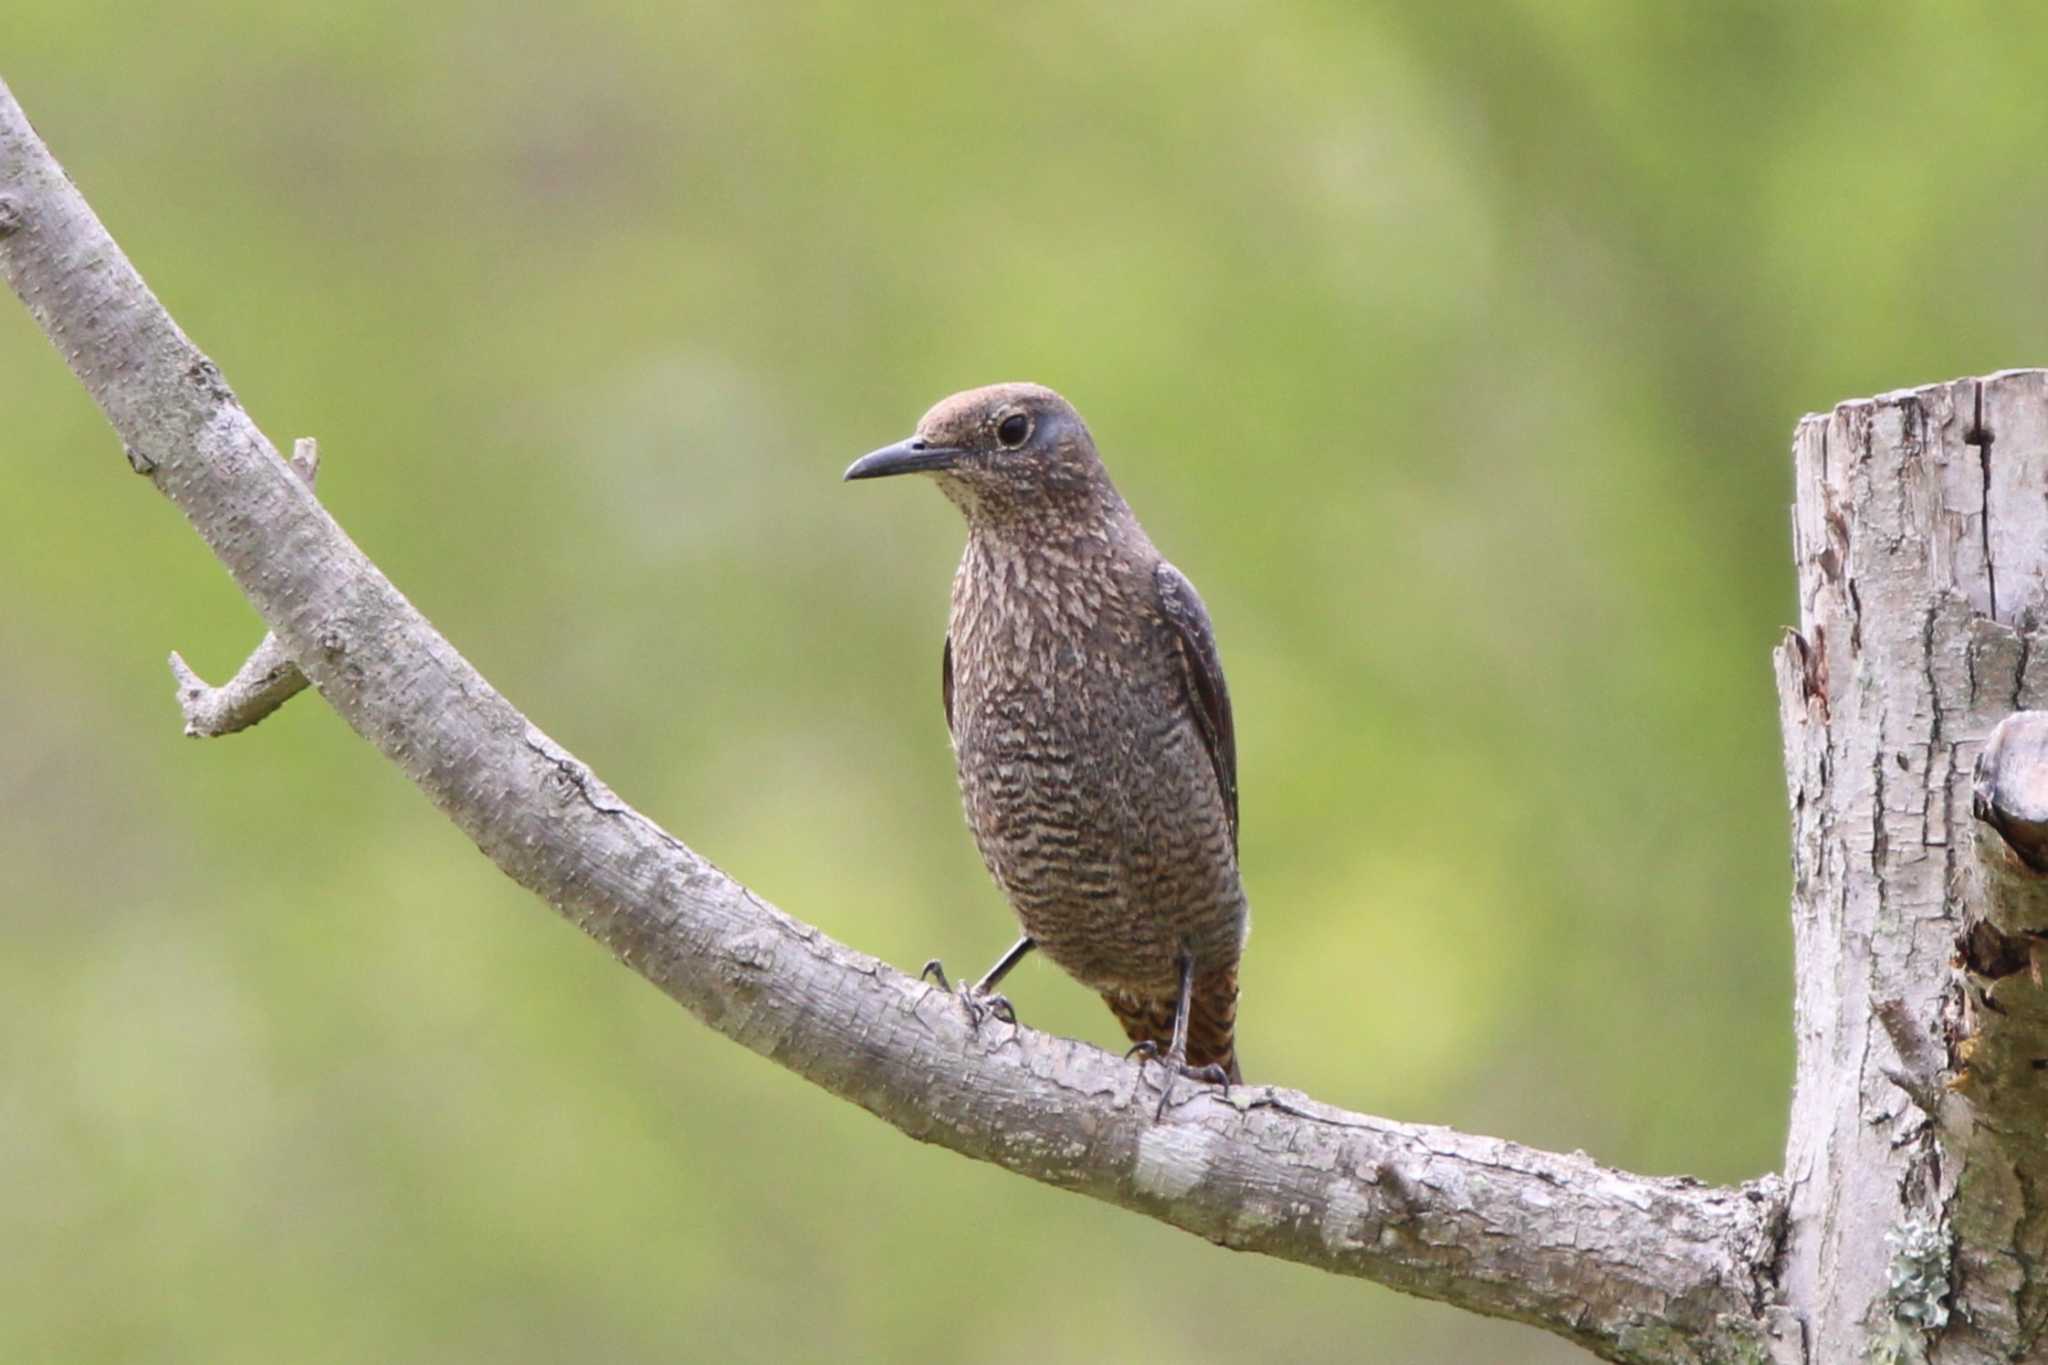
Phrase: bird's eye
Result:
[1012,430]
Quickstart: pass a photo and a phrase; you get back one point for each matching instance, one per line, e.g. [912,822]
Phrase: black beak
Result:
[914,456]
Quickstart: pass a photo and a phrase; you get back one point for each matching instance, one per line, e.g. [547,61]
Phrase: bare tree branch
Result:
[1634,1268]
[266,680]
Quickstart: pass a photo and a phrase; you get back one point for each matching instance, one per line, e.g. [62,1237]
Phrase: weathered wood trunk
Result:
[1919,1129]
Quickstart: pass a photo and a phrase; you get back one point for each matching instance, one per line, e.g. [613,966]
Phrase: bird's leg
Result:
[1176,1058]
[981,998]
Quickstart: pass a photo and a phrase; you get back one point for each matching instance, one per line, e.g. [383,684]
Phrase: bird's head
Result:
[1005,449]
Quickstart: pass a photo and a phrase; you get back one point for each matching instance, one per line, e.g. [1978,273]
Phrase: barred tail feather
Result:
[1212,1020]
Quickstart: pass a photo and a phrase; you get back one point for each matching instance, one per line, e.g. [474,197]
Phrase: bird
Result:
[1091,727]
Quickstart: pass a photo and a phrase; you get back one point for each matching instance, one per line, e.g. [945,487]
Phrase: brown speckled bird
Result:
[1091,726]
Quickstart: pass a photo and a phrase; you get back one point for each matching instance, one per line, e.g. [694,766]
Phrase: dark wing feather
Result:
[946,680]
[1203,672]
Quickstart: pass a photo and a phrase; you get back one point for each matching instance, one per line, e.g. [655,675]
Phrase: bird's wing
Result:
[1203,673]
[946,680]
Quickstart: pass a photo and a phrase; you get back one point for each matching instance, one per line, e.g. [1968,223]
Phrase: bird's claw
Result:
[988,1002]
[978,1004]
[1176,1064]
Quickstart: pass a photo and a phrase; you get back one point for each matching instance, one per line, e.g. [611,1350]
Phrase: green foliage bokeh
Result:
[1453,351]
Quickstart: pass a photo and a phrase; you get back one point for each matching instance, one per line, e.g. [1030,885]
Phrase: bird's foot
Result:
[978,1004]
[1175,1062]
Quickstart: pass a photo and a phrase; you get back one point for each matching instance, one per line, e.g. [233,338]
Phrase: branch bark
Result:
[266,680]
[1635,1268]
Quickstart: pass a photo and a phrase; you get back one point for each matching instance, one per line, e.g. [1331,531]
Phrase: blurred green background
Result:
[1453,350]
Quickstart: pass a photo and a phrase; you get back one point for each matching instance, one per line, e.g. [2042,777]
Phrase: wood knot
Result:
[204,375]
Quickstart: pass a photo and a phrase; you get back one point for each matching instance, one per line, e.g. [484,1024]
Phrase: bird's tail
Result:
[1212,1019]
